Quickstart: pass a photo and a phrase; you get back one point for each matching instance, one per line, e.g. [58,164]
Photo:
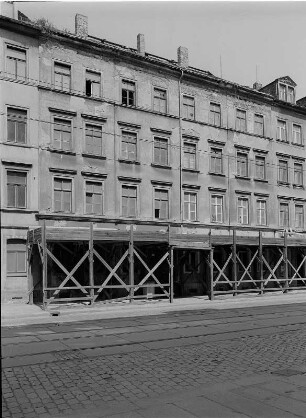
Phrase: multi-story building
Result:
[97,137]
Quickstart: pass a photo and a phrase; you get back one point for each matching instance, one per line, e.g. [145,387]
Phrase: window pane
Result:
[11,133]
[21,262]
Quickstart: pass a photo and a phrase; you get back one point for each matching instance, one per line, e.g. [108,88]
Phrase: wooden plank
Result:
[171,275]
[261,271]
[91,260]
[211,271]
[234,257]
[45,264]
[285,256]
[246,270]
[110,269]
[152,271]
[131,262]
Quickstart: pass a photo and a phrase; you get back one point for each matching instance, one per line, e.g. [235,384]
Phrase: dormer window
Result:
[286,93]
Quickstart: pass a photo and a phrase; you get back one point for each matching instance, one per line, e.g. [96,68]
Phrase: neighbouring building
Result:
[125,175]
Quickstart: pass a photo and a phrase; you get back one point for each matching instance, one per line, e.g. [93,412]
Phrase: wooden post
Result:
[131,260]
[285,253]
[45,264]
[260,254]
[171,275]
[211,265]
[234,257]
[91,260]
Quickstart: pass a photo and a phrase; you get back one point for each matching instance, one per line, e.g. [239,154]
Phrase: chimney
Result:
[81,26]
[7,8]
[182,57]
[141,44]
[257,86]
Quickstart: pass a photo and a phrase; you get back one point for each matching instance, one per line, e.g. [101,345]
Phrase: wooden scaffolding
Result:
[88,263]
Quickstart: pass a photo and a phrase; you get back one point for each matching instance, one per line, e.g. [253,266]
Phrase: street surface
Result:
[239,362]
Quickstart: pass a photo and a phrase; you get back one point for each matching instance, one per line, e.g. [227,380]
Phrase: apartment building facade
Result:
[119,137]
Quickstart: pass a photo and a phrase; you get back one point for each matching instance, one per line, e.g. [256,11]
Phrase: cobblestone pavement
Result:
[76,382]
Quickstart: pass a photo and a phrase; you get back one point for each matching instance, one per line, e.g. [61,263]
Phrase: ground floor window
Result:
[16,257]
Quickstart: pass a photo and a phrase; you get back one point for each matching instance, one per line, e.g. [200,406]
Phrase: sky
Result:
[269,36]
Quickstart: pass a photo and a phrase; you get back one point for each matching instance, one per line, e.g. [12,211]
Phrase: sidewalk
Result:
[15,314]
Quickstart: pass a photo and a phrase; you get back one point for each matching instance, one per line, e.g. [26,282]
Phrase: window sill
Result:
[61,151]
[298,145]
[298,186]
[121,160]
[18,210]
[16,144]
[242,177]
[261,180]
[98,157]
[216,174]
[167,167]
[282,140]
[282,183]
[191,170]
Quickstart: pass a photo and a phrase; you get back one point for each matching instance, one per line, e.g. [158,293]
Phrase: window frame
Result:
[163,138]
[23,273]
[137,208]
[161,89]
[24,171]
[61,176]
[188,96]
[258,210]
[195,193]
[262,132]
[101,183]
[63,64]
[96,124]
[279,179]
[212,114]
[238,120]
[217,195]
[130,132]
[245,199]
[279,130]
[301,143]
[240,153]
[135,98]
[23,109]
[62,117]
[98,73]
[189,142]
[9,46]
[301,173]
[163,189]
[300,205]
[212,169]
[260,157]
[286,204]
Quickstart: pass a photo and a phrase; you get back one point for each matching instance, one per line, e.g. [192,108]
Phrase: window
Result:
[283,175]
[16,125]
[243,210]
[129,201]
[216,165]
[188,107]
[16,189]
[129,146]
[261,212]
[282,92]
[62,195]
[259,125]
[190,206]
[62,76]
[16,62]
[298,174]
[94,197]
[299,216]
[242,164]
[92,84]
[160,100]
[192,262]
[93,139]
[16,257]
[241,120]
[284,214]
[161,151]
[281,130]
[290,94]
[297,134]
[217,208]
[260,167]
[128,93]
[62,134]
[190,156]
[215,114]
[161,204]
